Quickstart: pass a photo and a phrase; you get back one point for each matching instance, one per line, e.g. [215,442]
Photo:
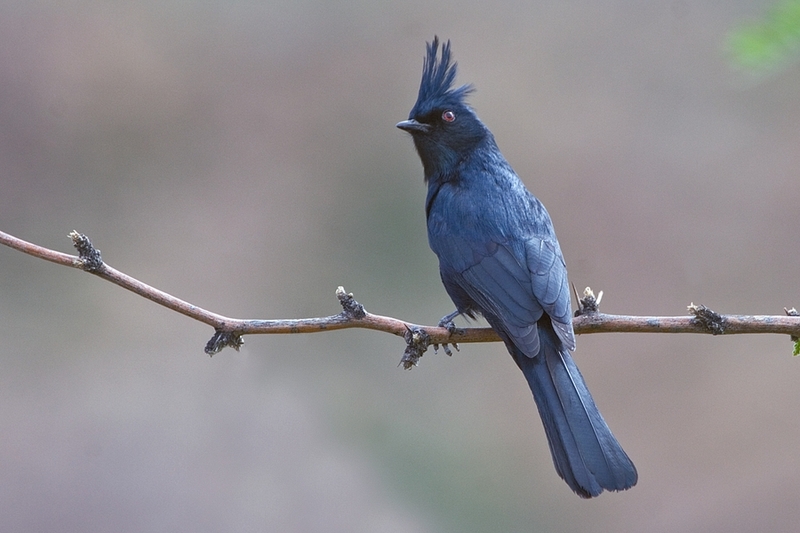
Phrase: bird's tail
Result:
[585,452]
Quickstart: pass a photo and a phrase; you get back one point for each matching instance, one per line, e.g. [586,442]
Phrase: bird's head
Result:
[443,126]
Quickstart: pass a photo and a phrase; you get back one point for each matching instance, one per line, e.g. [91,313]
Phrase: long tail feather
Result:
[585,452]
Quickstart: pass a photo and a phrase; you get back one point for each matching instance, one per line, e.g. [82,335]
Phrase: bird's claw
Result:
[447,323]
[446,348]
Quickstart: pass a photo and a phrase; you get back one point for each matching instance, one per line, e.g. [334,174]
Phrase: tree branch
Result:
[229,331]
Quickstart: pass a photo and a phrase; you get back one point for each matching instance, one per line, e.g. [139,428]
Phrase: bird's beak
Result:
[412,126]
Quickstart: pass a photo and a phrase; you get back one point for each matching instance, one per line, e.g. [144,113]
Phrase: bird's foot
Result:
[447,323]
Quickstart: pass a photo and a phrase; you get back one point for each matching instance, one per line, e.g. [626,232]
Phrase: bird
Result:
[499,258]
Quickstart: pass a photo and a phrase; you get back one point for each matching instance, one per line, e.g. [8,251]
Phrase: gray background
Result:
[243,156]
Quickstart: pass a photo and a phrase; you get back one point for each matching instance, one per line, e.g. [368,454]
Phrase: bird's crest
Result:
[436,89]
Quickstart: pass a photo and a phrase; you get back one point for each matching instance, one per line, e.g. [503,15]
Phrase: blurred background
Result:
[243,156]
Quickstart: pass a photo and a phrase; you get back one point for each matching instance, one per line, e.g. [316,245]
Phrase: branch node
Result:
[90,259]
[589,304]
[417,341]
[795,338]
[223,339]
[709,320]
[351,308]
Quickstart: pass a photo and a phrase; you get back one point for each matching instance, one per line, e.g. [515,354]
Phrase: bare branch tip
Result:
[588,304]
[90,258]
[351,308]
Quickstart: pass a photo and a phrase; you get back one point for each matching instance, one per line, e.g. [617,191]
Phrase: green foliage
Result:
[796,350]
[770,43]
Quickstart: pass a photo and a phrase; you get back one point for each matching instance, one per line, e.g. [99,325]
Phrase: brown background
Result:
[243,156]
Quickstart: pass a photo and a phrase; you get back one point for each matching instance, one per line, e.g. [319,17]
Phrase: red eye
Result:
[448,116]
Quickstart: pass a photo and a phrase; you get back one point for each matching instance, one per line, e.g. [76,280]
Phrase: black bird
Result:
[499,258]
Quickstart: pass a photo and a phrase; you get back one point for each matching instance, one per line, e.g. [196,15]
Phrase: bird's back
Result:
[498,253]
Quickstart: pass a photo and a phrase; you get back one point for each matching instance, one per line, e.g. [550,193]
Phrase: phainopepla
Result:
[499,258]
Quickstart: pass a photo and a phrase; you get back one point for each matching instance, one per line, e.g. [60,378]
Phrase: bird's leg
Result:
[447,322]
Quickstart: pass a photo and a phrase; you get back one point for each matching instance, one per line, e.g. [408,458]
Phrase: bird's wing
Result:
[517,284]
[550,285]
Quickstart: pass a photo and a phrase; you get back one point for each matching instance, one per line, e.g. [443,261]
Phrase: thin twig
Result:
[230,330]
